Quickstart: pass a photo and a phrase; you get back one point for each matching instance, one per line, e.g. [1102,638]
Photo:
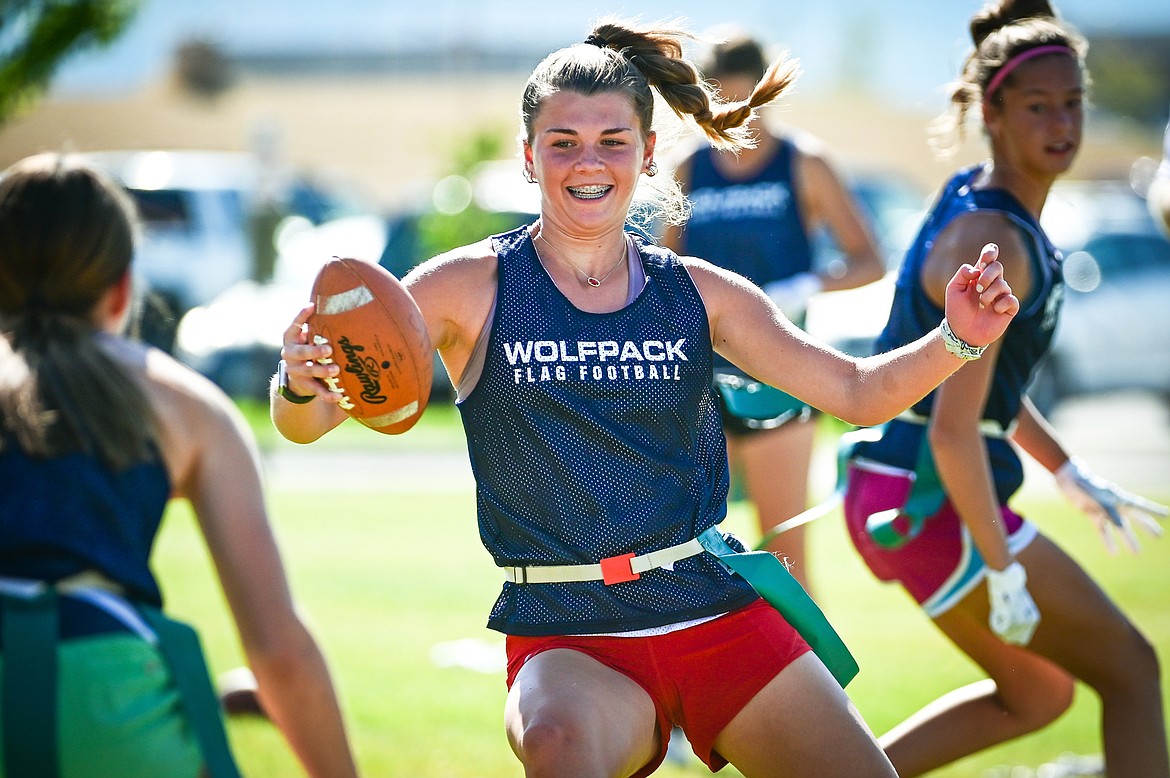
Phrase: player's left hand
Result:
[979,303]
[1111,508]
[1014,615]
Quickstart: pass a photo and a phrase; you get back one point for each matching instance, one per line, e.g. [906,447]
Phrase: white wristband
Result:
[957,346]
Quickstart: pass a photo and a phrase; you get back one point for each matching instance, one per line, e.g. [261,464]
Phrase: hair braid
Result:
[67,239]
[658,54]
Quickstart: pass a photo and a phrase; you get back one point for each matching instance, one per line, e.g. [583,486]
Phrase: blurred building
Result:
[386,93]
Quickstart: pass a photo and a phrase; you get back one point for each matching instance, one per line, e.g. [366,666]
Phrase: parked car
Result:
[1112,333]
[235,337]
[194,208]
[1114,330]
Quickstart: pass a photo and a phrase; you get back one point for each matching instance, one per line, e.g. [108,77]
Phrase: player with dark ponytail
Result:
[97,434]
[927,495]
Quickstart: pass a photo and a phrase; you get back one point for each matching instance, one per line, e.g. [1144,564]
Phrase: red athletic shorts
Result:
[699,677]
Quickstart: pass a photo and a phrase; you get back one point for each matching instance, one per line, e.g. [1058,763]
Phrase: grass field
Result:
[386,577]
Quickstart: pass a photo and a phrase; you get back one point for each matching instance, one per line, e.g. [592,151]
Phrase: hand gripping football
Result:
[379,340]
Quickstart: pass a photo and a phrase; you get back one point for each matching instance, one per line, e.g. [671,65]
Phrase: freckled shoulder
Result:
[714,282]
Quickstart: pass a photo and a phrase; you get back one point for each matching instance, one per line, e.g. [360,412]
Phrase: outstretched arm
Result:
[748,329]
[1113,510]
[213,462]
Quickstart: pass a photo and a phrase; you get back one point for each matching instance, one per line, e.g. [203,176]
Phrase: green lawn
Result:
[386,577]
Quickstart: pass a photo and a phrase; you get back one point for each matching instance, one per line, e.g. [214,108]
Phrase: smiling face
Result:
[587,153]
[1037,124]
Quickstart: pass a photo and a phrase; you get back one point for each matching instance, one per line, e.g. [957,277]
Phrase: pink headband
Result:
[1013,63]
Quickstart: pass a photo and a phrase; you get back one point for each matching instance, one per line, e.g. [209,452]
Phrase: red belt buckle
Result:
[616,569]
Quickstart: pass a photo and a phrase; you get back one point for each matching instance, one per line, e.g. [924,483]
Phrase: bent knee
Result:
[548,735]
[1145,660]
[557,747]
[547,746]
[1132,668]
[1041,702]
[1054,701]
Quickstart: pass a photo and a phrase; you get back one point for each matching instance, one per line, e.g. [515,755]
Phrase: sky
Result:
[904,48]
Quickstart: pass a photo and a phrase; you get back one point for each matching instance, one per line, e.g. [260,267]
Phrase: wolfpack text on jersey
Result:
[585,360]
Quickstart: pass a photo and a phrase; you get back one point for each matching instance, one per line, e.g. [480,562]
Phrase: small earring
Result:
[652,170]
[529,177]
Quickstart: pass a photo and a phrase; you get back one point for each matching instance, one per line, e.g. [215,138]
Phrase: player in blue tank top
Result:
[927,493]
[755,212]
[582,358]
[97,434]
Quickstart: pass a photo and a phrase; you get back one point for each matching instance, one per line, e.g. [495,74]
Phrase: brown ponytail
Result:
[619,56]
[66,238]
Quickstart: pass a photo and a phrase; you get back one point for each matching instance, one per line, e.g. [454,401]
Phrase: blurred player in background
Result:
[97,434]
[927,498]
[756,211]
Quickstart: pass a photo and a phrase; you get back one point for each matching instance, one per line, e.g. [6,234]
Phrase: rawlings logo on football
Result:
[379,340]
[365,369]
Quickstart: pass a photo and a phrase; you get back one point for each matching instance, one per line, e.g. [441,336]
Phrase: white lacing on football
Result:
[331,382]
[343,302]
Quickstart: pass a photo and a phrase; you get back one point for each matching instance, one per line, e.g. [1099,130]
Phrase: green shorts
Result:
[119,713]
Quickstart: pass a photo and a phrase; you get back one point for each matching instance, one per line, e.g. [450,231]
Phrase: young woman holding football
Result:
[927,497]
[97,434]
[582,356]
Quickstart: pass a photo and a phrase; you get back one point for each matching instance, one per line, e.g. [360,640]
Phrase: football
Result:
[379,340]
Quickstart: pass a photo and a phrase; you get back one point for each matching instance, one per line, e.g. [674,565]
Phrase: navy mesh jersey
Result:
[63,515]
[596,435]
[752,226]
[1025,342]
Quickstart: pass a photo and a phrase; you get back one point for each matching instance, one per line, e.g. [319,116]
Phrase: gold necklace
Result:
[591,280]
